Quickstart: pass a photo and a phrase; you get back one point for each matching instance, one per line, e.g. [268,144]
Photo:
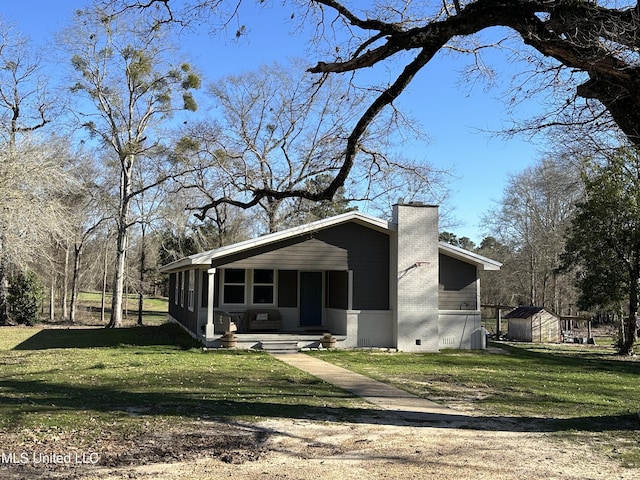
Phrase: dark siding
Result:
[305,252]
[457,284]
[204,290]
[192,317]
[216,289]
[349,246]
[186,289]
[368,252]
[287,288]
[179,312]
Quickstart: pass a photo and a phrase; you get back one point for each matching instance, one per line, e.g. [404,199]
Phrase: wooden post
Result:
[498,322]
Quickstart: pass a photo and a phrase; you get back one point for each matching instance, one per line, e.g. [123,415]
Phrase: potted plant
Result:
[229,340]
[328,340]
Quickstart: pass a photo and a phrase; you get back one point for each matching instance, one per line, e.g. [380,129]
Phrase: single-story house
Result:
[369,282]
[533,324]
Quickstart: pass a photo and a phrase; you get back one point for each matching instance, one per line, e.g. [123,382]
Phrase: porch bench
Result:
[263,319]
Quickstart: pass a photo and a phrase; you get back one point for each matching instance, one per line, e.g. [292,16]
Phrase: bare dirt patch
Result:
[381,447]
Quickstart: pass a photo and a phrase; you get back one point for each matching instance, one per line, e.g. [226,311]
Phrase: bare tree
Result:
[280,131]
[87,217]
[127,72]
[25,107]
[25,102]
[33,182]
[590,46]
[532,219]
[277,131]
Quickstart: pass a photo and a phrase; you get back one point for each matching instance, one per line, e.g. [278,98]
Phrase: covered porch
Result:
[268,305]
[274,300]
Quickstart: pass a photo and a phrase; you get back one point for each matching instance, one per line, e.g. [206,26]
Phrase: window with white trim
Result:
[182,277]
[233,286]
[263,286]
[176,287]
[192,288]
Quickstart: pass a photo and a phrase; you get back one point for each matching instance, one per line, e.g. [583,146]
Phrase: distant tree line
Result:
[108,168]
[567,231]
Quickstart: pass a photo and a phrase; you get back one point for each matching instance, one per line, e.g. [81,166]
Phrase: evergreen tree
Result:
[603,243]
[25,297]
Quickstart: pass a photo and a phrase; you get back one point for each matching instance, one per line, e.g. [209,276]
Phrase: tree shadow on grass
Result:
[588,361]
[29,397]
[166,334]
[33,396]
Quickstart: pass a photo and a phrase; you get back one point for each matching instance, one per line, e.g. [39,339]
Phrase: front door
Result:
[310,299]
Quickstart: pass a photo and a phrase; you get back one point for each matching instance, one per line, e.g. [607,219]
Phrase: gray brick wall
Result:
[417,277]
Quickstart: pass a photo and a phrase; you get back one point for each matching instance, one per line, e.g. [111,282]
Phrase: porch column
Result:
[209,329]
[349,289]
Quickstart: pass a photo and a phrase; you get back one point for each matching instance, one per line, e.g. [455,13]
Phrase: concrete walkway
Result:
[407,406]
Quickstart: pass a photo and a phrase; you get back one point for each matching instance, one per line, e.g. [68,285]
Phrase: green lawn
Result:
[584,392]
[550,381]
[89,309]
[81,385]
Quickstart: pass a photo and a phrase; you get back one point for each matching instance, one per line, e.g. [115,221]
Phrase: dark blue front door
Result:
[311,299]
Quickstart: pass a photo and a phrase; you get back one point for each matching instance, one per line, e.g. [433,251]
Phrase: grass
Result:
[583,392]
[82,385]
[550,381]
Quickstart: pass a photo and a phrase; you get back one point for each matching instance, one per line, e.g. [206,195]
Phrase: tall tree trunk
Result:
[272,215]
[532,277]
[4,288]
[142,271]
[65,285]
[104,281]
[75,280]
[122,224]
[118,278]
[629,325]
[52,297]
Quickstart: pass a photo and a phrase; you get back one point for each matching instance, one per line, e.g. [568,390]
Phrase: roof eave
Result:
[470,257]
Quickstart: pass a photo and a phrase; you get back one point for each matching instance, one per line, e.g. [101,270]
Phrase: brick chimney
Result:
[416,265]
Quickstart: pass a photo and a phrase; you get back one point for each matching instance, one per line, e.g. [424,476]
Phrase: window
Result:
[233,286]
[287,288]
[263,286]
[192,288]
[338,290]
[182,277]
[176,287]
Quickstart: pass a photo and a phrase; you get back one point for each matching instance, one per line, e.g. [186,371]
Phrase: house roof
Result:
[469,257]
[524,312]
[205,258]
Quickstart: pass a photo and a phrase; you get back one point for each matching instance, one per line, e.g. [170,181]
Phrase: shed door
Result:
[311,299]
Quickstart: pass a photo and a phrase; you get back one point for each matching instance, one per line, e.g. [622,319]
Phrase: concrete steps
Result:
[279,346]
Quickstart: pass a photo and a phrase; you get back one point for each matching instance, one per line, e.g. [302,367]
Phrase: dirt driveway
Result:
[317,449]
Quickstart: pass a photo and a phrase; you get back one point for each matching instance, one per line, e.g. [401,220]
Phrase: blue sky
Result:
[454,116]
